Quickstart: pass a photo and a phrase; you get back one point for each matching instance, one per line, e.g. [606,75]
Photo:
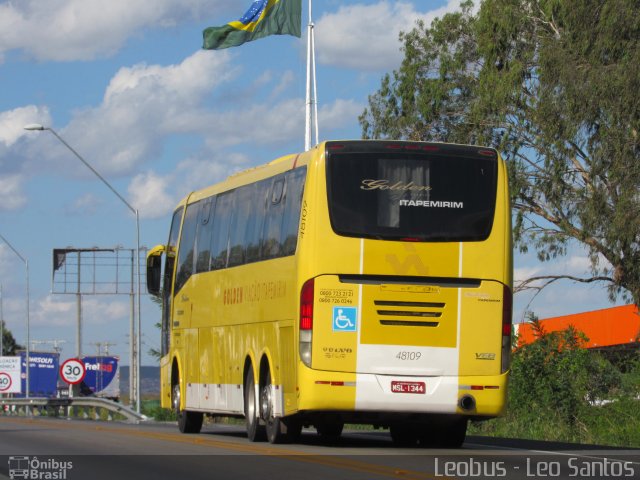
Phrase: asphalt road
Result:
[47,448]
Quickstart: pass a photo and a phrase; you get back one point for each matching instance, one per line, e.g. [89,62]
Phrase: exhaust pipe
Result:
[467,403]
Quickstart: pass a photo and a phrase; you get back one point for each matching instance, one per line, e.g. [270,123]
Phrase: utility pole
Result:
[54,343]
[100,345]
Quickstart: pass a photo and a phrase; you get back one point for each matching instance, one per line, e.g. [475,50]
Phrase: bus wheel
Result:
[445,434]
[188,422]
[255,431]
[452,434]
[404,435]
[294,428]
[275,427]
[330,429]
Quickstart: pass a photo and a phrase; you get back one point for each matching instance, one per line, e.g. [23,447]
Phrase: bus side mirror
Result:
[154,270]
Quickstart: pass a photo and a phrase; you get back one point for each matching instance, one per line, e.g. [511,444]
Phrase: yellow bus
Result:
[360,282]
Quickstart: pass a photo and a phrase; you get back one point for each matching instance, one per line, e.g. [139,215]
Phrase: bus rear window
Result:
[412,196]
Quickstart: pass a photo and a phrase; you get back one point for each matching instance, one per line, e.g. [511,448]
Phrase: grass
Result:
[616,424]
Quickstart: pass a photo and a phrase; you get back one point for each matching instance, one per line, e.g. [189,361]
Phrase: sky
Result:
[130,89]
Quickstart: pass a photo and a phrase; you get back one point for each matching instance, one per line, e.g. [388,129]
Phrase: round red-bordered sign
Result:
[72,371]
[5,381]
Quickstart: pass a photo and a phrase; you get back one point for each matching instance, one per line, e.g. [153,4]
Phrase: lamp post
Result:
[136,357]
[28,357]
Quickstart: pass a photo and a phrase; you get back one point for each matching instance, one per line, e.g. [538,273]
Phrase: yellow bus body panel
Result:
[226,319]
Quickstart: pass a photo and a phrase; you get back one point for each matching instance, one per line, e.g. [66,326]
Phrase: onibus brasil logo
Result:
[38,469]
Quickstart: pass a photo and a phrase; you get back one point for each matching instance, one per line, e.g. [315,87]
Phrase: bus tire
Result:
[454,433]
[330,429]
[294,428]
[255,431]
[274,426]
[188,422]
[445,434]
[404,434]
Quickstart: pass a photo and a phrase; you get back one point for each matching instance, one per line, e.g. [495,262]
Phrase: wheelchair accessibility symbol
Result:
[344,319]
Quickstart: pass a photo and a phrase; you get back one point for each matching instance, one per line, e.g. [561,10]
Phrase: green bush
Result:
[557,373]
[152,409]
[560,391]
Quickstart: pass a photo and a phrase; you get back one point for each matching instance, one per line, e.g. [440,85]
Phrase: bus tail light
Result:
[306,321]
[507,309]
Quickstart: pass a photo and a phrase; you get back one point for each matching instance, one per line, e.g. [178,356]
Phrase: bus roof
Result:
[252,174]
[288,162]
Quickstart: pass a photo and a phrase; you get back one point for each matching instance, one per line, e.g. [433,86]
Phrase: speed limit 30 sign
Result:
[72,371]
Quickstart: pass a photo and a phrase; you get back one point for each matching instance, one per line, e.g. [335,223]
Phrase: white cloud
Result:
[66,30]
[523,273]
[11,194]
[274,124]
[105,312]
[187,81]
[142,105]
[365,37]
[195,173]
[338,114]
[12,122]
[286,80]
[86,204]
[564,296]
[4,258]
[578,263]
[61,311]
[156,195]
[53,312]
[149,193]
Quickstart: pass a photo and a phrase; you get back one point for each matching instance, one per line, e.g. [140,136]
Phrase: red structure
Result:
[609,327]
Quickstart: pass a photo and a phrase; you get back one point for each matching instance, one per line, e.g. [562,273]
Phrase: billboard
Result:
[43,373]
[9,375]
[102,377]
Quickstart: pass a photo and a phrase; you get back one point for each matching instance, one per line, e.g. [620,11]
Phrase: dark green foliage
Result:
[555,373]
[560,391]
[152,409]
[554,85]
[155,352]
[9,345]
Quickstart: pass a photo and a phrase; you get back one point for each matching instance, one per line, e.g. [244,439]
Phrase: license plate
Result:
[408,387]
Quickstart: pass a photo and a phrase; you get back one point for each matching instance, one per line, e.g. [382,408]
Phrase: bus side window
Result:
[203,239]
[220,237]
[187,243]
[255,221]
[239,224]
[293,204]
[272,234]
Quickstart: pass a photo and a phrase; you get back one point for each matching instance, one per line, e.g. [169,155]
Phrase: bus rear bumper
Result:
[472,396]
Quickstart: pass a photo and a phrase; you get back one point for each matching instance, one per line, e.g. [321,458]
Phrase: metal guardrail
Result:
[81,407]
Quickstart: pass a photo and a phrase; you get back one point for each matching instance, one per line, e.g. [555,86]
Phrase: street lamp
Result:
[28,357]
[38,127]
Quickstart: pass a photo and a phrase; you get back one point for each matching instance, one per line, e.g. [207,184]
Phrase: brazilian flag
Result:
[264,17]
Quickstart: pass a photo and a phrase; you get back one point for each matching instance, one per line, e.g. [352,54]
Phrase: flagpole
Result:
[315,84]
[311,104]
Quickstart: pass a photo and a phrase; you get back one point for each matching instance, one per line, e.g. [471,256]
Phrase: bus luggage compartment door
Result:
[390,328]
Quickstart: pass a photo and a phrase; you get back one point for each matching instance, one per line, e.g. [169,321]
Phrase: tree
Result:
[9,345]
[554,85]
[153,351]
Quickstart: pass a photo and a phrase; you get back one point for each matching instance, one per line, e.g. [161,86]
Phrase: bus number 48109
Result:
[404,355]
